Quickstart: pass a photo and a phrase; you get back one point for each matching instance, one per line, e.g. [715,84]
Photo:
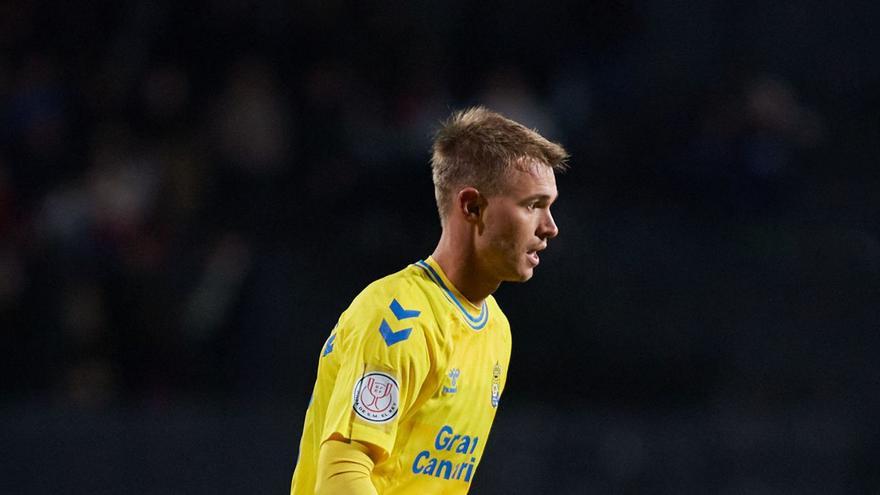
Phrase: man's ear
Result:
[470,203]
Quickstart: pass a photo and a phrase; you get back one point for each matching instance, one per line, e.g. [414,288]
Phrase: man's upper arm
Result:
[384,363]
[344,468]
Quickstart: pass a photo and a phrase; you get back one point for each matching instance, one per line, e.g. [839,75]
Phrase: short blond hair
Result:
[477,147]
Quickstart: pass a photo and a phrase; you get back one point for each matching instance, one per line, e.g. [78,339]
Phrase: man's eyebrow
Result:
[542,197]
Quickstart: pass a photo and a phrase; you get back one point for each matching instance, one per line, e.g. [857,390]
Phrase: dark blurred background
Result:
[191,193]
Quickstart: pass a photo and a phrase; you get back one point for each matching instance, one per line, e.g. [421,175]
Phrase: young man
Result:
[411,376]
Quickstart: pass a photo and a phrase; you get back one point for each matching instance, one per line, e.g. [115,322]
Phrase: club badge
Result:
[496,385]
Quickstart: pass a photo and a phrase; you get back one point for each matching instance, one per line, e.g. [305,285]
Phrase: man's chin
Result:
[522,276]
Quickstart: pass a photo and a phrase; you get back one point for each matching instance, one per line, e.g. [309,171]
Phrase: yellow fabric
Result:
[424,398]
[344,468]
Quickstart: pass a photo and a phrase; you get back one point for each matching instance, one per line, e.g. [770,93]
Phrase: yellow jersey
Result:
[415,369]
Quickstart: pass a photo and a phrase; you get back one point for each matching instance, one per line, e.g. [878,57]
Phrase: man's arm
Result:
[344,468]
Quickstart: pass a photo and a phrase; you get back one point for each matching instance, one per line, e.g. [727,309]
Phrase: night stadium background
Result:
[190,194]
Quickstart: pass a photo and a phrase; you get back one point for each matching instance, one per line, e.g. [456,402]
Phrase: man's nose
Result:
[548,228]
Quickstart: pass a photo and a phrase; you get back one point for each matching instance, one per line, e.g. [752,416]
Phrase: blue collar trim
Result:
[476,323]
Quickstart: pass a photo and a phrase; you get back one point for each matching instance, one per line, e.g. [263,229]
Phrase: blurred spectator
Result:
[189,193]
[743,154]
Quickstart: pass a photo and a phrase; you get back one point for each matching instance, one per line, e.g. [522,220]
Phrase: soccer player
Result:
[410,377]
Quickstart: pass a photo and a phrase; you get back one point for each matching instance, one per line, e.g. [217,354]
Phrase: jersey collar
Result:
[466,308]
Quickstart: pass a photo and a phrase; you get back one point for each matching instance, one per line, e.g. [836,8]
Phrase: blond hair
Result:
[477,147]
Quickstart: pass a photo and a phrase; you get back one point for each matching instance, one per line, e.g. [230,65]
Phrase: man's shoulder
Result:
[496,311]
[402,293]
[391,310]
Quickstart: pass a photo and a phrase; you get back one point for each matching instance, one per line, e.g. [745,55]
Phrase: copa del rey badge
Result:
[376,397]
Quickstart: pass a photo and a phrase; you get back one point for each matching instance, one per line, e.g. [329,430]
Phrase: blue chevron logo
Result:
[329,347]
[400,313]
[390,336]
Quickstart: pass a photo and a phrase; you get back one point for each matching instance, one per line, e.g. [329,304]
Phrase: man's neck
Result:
[462,269]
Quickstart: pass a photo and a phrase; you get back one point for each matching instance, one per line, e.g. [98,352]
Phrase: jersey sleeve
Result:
[384,362]
[344,468]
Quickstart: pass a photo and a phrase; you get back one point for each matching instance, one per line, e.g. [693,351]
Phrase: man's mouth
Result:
[533,257]
[532,254]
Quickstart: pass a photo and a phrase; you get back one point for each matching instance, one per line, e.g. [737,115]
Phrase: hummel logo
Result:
[453,377]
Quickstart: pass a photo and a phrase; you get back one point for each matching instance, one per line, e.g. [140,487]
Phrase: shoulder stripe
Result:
[476,323]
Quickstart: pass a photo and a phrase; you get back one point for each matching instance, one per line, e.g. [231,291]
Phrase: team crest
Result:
[376,397]
[496,385]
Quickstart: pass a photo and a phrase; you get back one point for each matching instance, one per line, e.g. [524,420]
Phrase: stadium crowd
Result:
[190,194]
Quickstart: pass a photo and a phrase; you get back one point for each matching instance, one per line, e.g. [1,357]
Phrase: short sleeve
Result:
[384,362]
